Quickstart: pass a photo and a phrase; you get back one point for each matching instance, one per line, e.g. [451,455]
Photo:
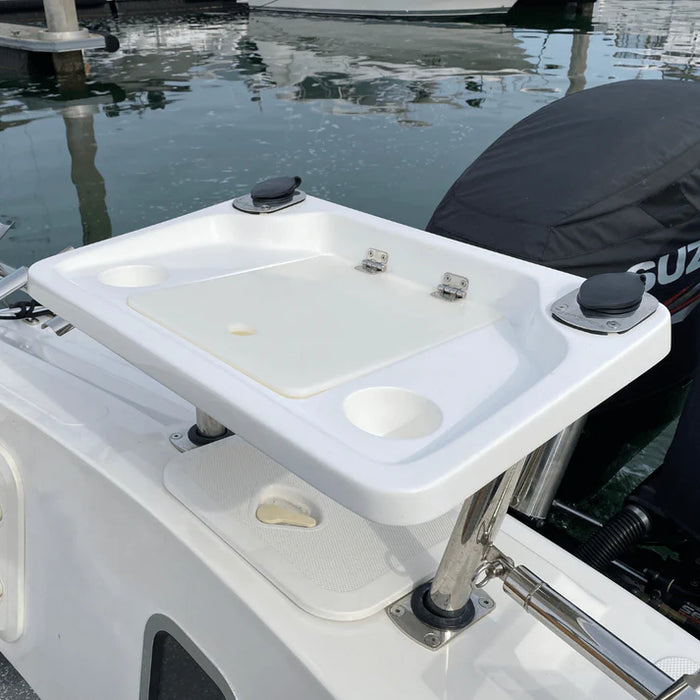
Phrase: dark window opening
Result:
[175,675]
[175,669]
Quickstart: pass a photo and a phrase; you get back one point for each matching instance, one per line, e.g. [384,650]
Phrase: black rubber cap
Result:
[611,293]
[277,189]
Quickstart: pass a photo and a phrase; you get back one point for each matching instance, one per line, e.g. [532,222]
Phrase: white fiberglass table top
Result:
[396,403]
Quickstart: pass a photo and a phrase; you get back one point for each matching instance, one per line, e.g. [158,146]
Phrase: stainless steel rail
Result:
[13,282]
[574,512]
[685,687]
[621,663]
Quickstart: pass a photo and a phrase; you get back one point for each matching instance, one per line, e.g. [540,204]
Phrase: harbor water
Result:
[199,105]
[380,116]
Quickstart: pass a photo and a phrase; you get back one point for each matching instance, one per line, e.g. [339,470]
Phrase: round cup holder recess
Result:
[133,276]
[391,412]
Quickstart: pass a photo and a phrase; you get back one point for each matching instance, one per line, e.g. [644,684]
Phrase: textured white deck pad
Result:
[343,569]
[303,327]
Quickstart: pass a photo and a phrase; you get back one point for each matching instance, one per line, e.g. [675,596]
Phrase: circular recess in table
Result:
[392,412]
[133,276]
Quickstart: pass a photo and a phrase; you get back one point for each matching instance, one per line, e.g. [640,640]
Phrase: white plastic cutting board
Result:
[303,327]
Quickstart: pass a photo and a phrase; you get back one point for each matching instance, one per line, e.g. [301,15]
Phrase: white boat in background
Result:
[435,9]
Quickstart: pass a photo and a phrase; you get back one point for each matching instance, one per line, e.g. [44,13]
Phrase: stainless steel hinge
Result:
[375,262]
[452,288]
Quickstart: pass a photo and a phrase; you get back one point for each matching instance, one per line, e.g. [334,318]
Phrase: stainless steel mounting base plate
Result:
[568,311]
[245,203]
[433,638]
[180,441]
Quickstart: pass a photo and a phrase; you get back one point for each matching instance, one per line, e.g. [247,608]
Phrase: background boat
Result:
[387,8]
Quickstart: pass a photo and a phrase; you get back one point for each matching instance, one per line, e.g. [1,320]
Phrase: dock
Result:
[56,48]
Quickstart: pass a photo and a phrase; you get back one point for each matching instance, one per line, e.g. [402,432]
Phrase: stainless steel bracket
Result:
[58,325]
[567,310]
[402,615]
[180,441]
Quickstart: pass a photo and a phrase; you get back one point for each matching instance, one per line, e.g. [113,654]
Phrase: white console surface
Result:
[395,403]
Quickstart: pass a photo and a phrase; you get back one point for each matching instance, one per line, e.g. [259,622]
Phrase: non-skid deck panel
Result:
[306,326]
[345,568]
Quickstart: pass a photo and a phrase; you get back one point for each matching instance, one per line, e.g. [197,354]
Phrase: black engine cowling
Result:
[604,180]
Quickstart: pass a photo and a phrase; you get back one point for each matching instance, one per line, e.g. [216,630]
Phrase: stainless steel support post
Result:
[471,539]
[543,471]
[437,611]
[208,426]
[205,431]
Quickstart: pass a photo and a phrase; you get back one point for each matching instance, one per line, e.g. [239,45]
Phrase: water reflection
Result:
[355,68]
[375,65]
[654,35]
[89,184]
[194,109]
[580,43]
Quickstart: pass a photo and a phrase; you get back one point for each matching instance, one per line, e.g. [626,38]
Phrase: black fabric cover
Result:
[591,183]
[605,180]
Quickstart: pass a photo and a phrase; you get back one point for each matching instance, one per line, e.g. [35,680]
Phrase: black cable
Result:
[24,309]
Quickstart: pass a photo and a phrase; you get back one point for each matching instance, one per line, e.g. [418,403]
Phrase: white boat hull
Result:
[108,548]
[112,539]
[387,8]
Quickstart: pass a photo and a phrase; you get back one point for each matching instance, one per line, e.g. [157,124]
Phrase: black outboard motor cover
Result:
[604,180]
[601,181]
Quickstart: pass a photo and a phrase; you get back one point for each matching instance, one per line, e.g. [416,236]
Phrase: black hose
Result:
[621,532]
